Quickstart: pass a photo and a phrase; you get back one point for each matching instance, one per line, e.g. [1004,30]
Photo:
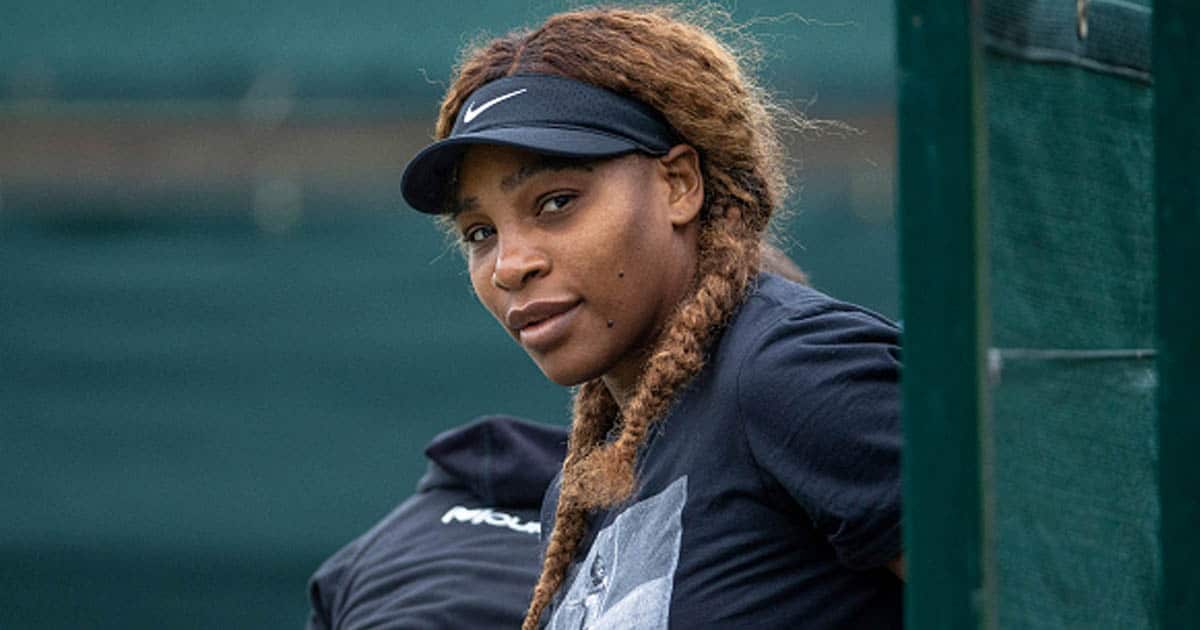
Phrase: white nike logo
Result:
[472,112]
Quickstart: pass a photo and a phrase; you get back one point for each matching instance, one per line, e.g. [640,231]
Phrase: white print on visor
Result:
[472,113]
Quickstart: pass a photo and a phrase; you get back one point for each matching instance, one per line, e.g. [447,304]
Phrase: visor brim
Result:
[429,172]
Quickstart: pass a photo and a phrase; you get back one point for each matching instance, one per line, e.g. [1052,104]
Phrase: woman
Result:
[733,458]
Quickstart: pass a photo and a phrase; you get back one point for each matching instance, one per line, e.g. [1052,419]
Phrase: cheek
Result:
[640,245]
[481,285]
[624,269]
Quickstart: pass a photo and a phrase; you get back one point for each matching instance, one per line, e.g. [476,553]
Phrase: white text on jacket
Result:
[488,516]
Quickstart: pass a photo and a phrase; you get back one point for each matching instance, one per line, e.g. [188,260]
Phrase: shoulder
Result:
[464,545]
[812,372]
[784,300]
[444,555]
[328,586]
[818,403]
[786,331]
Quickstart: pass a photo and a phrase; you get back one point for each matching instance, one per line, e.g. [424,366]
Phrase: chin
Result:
[565,373]
[566,378]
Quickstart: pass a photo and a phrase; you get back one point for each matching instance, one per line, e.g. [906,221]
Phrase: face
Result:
[581,263]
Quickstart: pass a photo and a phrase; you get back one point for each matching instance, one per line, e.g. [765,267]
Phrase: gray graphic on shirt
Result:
[626,579]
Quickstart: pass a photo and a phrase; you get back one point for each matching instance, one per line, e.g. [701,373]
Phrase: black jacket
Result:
[463,551]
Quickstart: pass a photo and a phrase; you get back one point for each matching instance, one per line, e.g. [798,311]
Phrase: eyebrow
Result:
[545,163]
[455,206]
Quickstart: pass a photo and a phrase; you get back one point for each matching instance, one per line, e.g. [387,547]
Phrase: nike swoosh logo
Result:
[472,111]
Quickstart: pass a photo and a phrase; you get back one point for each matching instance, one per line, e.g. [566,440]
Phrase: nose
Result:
[518,262]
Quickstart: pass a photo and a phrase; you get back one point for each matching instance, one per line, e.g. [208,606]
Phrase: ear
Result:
[680,168]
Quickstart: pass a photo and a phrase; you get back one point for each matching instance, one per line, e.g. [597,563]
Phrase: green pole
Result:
[1177,193]
[942,223]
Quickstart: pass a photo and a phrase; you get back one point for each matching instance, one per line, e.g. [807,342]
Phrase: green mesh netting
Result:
[1074,492]
[1072,255]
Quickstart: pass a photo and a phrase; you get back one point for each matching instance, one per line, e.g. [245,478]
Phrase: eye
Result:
[477,234]
[555,203]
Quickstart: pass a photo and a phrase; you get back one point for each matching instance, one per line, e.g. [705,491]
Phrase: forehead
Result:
[488,167]
[511,166]
[486,156]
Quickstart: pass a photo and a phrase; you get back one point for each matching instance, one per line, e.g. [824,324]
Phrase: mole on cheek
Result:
[610,323]
[620,274]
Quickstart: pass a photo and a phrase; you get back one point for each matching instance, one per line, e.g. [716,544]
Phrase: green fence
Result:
[1046,476]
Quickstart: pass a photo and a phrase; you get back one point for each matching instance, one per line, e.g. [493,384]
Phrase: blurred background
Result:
[224,341]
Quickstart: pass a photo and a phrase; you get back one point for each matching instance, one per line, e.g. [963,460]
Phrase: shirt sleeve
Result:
[819,398]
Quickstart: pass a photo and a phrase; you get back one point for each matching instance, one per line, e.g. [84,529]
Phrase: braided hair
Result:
[672,63]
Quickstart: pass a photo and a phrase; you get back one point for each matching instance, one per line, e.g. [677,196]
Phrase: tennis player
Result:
[734,451]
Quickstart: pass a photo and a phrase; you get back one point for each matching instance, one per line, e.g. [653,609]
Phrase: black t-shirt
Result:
[769,497]
[460,553]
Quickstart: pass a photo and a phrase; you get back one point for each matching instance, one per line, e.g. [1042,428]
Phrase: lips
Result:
[533,312]
[542,323]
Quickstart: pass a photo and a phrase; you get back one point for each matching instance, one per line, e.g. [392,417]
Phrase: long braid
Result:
[598,474]
[604,475]
[681,70]
[594,415]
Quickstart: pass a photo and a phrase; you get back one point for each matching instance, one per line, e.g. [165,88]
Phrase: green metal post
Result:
[942,220]
[1177,192]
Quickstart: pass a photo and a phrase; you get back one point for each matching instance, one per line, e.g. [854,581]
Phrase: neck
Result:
[622,380]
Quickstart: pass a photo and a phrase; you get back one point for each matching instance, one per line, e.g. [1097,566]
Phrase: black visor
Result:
[542,113]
